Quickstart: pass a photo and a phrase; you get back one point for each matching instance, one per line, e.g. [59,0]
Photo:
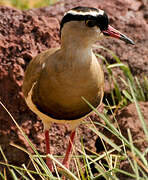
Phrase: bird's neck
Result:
[75,40]
[74,48]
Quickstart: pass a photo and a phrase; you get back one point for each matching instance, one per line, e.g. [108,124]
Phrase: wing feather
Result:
[34,69]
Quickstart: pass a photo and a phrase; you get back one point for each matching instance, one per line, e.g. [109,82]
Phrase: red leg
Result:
[66,158]
[48,160]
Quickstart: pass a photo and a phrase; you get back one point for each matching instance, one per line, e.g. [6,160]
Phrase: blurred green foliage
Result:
[27,4]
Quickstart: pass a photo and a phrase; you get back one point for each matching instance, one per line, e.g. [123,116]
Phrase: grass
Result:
[107,163]
[27,4]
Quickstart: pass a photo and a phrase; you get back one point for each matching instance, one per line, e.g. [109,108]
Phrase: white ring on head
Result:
[93,13]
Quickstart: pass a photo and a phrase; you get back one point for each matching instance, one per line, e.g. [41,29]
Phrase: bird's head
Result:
[86,25]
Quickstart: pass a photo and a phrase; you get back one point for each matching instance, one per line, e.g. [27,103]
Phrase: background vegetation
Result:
[27,4]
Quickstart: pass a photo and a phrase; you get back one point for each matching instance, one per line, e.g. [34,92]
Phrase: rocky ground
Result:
[24,34]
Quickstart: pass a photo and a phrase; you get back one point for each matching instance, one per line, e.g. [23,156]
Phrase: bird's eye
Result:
[90,23]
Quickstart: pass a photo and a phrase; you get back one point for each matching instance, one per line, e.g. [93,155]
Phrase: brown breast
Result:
[59,90]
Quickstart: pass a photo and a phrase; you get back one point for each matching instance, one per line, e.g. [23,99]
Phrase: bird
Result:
[56,79]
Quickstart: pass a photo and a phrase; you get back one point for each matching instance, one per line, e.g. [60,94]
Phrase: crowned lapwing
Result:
[56,80]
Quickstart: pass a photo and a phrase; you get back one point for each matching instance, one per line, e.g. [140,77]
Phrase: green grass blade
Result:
[125,69]
[146,86]
[29,174]
[141,95]
[144,125]
[13,175]
[115,132]
[45,168]
[104,173]
[135,169]
[125,173]
[2,176]
[107,140]
[22,174]
[86,163]
[71,175]
[127,95]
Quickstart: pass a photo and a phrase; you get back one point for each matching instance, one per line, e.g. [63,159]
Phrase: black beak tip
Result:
[130,42]
[126,39]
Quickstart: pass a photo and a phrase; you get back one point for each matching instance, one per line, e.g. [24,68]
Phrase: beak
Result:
[116,34]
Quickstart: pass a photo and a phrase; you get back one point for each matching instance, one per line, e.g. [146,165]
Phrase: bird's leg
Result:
[48,160]
[71,140]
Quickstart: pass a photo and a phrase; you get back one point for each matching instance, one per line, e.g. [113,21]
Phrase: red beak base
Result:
[116,34]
